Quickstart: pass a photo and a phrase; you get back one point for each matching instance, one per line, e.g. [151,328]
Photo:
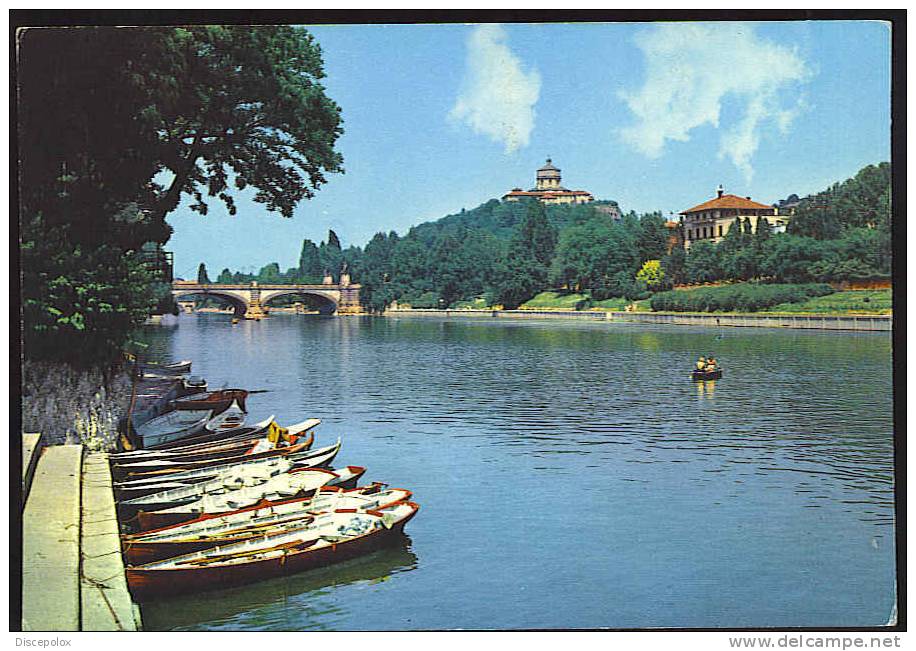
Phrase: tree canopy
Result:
[118,124]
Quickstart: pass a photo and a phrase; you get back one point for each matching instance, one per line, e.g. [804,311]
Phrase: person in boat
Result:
[711,364]
[701,364]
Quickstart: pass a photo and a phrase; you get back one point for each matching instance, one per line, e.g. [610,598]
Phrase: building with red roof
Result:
[548,189]
[710,220]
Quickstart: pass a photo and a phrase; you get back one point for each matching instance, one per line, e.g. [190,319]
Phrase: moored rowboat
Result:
[214,400]
[329,538]
[179,488]
[262,519]
[238,451]
[220,501]
[173,426]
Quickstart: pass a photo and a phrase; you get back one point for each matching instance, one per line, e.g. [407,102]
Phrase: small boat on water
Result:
[248,443]
[328,538]
[172,368]
[206,436]
[266,517]
[172,426]
[698,375]
[252,433]
[158,490]
[221,500]
[230,419]
[216,401]
[235,452]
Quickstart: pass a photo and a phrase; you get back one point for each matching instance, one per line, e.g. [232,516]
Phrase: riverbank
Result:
[748,320]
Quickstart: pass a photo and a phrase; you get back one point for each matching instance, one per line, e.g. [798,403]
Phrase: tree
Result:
[225,277]
[330,256]
[198,107]
[524,276]
[703,263]
[788,258]
[247,103]
[589,256]
[270,274]
[674,266]
[536,235]
[652,237]
[310,270]
[202,278]
[763,232]
[652,274]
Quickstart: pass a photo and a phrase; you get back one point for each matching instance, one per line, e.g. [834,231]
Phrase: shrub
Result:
[747,297]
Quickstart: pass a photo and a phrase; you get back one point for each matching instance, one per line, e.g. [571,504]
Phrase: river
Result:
[570,475]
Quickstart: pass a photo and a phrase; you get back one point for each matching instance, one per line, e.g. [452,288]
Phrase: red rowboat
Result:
[267,517]
[329,538]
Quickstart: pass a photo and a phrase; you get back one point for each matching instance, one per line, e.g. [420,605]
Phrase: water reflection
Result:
[783,466]
[289,603]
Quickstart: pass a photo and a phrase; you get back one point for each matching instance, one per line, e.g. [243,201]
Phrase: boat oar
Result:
[251,552]
[248,530]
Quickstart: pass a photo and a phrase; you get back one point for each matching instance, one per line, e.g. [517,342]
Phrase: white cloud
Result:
[693,68]
[497,95]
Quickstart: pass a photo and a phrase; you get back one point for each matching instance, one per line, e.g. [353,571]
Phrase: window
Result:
[720,230]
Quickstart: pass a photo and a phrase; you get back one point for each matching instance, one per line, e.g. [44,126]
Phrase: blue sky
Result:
[654,116]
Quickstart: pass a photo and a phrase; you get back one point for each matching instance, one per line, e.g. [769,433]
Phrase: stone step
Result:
[51,539]
[106,603]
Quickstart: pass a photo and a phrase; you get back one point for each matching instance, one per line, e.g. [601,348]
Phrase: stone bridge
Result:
[251,300]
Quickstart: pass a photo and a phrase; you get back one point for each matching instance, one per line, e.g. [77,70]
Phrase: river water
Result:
[570,475]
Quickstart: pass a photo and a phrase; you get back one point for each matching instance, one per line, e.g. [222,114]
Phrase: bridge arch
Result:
[239,303]
[328,300]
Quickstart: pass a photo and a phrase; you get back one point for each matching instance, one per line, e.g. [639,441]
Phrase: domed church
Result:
[548,190]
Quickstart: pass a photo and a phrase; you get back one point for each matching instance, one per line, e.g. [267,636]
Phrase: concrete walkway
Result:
[106,604]
[72,569]
[50,543]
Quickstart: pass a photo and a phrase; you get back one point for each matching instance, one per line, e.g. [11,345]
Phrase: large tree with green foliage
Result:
[202,108]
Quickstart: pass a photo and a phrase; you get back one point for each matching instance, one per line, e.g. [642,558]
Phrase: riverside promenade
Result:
[72,570]
[865,322]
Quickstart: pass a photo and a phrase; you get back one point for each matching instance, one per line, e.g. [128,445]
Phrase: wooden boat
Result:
[173,426]
[220,500]
[251,433]
[228,446]
[206,437]
[216,401]
[233,452]
[230,419]
[329,538]
[158,489]
[698,375]
[266,517]
[184,366]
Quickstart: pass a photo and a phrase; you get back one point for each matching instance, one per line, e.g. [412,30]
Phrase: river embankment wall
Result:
[866,322]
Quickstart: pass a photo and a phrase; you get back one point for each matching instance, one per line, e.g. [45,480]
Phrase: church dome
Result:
[548,171]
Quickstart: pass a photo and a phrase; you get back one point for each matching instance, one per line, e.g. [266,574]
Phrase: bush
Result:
[747,297]
[426,301]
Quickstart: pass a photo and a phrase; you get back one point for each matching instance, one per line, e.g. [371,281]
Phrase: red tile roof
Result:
[545,193]
[727,201]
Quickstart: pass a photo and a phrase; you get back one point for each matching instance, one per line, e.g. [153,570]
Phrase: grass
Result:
[847,302]
[554,300]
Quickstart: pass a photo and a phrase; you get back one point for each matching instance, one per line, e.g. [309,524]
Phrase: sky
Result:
[654,116]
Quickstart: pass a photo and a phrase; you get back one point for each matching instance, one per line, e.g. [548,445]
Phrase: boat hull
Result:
[699,376]
[151,518]
[146,584]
